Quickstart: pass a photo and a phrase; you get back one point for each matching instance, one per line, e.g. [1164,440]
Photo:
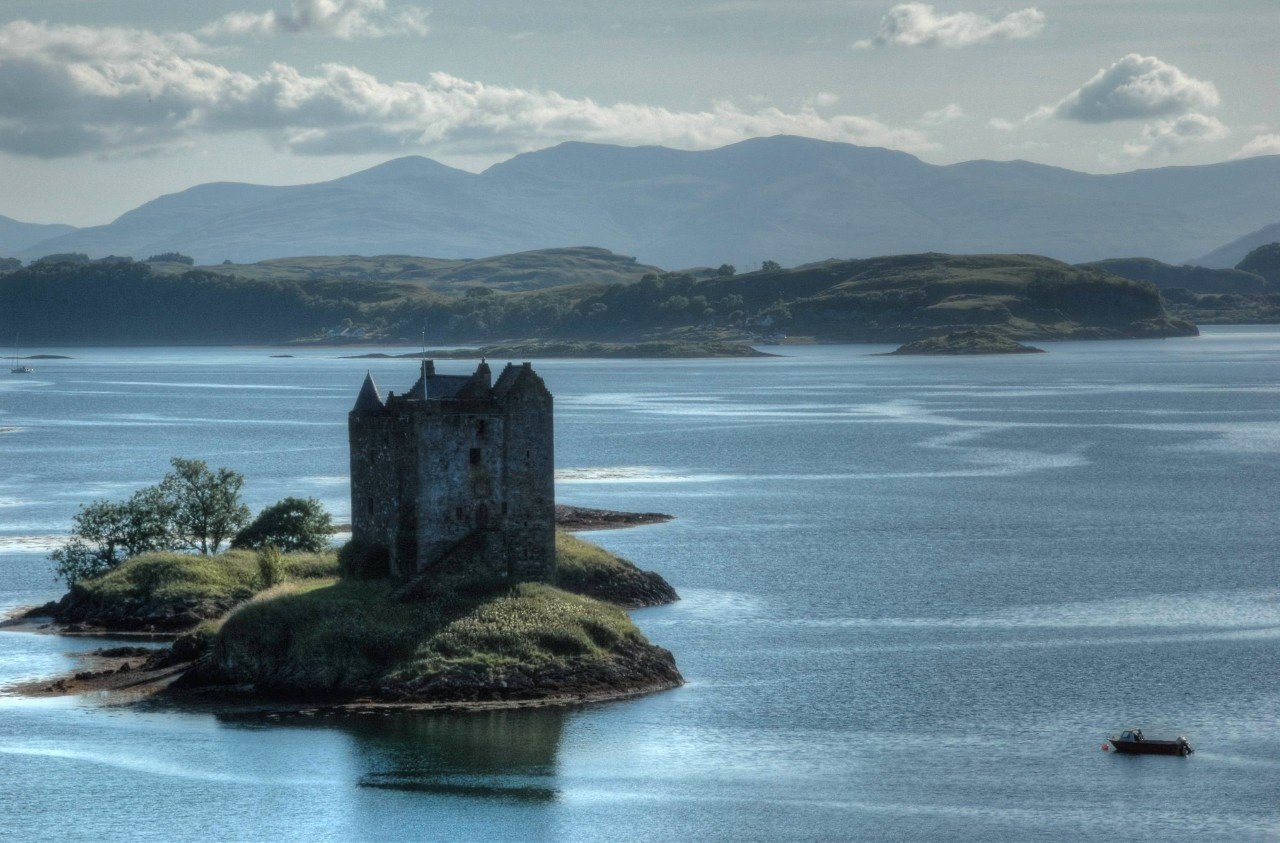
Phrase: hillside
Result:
[16,236]
[890,299]
[783,198]
[524,271]
[1197,279]
[1235,251]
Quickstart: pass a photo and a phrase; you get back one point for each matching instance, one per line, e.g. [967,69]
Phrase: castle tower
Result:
[459,467]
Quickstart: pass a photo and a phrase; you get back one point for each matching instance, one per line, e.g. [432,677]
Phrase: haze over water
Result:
[918,593]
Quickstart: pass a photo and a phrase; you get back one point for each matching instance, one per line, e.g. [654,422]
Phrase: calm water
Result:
[918,593]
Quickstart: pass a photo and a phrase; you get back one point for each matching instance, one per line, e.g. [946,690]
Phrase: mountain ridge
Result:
[783,198]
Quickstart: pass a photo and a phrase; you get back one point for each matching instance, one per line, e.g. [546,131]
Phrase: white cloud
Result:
[947,114]
[1136,88]
[921,25]
[822,99]
[337,18]
[1264,144]
[75,90]
[1164,137]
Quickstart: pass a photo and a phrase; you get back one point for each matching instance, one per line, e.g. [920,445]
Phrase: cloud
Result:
[947,114]
[77,90]
[1264,144]
[1136,88]
[920,25]
[336,18]
[1164,137]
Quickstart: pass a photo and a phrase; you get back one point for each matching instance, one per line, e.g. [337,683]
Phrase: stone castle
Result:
[458,470]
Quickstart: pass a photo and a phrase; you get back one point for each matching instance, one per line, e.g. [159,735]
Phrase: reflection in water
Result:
[489,754]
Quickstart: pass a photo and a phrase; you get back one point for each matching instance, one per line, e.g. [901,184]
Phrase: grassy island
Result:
[319,636]
[968,342]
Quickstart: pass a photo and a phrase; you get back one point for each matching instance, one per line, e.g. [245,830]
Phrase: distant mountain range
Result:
[16,236]
[788,199]
[1235,251]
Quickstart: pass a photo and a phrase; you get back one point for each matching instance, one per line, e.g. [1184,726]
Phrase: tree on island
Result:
[292,524]
[207,509]
[770,266]
[192,508]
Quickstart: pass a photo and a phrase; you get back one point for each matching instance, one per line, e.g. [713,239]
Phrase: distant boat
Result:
[19,368]
[1131,742]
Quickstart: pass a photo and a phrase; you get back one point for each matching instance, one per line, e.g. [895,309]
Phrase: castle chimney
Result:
[428,369]
[483,375]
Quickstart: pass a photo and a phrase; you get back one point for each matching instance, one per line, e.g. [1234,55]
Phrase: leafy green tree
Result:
[172,257]
[206,505]
[727,270]
[291,524]
[8,264]
[770,266]
[106,533]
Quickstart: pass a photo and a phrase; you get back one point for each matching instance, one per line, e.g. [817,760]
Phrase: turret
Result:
[368,402]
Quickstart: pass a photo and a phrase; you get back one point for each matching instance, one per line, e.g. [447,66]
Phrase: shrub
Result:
[291,524]
[363,561]
[271,570]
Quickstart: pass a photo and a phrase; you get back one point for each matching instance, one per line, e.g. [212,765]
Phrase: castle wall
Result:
[460,481]
[470,471]
[383,492]
[529,457]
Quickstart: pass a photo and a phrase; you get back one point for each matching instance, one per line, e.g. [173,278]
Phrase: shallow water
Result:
[918,593]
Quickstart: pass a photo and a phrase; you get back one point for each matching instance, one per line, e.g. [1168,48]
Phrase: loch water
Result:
[918,593]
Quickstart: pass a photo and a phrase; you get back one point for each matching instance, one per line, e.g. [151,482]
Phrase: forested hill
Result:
[891,299]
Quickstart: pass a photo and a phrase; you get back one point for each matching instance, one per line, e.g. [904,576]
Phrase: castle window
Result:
[480,426]
[457,514]
[475,456]
[368,504]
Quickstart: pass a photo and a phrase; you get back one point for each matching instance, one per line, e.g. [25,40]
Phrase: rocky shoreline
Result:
[152,677]
[604,656]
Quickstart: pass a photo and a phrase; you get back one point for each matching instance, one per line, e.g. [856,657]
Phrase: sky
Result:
[105,104]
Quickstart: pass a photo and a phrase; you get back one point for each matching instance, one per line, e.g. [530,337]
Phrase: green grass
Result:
[585,568]
[348,635]
[156,584]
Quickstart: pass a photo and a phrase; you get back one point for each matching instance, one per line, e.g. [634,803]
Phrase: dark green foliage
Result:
[360,561]
[271,570]
[206,509]
[105,534]
[10,264]
[78,258]
[191,508]
[726,270]
[876,299]
[290,524]
[770,266]
[1196,279]
[1264,261]
[171,257]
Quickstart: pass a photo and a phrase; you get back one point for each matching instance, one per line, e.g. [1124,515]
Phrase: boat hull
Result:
[1151,747]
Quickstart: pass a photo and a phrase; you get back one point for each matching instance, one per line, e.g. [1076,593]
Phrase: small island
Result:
[549,349]
[966,343]
[456,589]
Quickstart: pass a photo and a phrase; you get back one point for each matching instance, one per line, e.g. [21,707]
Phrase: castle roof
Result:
[432,387]
[368,401]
